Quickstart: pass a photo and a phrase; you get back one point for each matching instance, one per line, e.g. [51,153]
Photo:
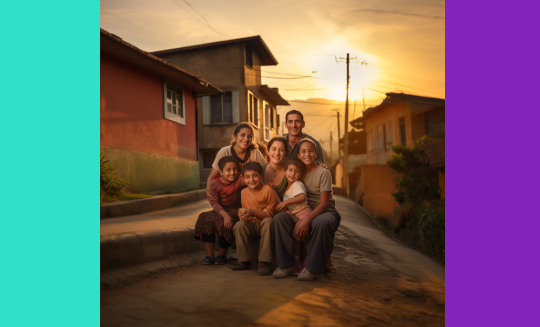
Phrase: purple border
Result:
[492,256]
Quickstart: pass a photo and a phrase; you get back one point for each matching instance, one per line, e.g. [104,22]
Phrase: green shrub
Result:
[110,184]
[417,182]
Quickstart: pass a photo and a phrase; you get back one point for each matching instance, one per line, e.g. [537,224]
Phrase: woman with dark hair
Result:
[243,148]
[321,224]
[273,170]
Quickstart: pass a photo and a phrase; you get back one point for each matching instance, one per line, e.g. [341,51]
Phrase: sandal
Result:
[220,260]
[208,261]
[241,266]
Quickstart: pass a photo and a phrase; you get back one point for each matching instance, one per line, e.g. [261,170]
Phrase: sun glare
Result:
[331,69]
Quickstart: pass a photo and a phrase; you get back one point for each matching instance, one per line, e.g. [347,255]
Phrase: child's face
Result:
[293,173]
[307,153]
[229,172]
[253,179]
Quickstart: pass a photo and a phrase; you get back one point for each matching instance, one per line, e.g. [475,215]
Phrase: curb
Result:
[133,249]
[155,203]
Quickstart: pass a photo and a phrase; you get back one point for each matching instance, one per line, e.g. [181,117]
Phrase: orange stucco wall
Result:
[131,111]
[378,185]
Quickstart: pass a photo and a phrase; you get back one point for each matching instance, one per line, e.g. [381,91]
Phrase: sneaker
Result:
[283,272]
[307,275]
[264,269]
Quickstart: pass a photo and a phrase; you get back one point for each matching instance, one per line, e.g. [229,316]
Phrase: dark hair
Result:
[223,161]
[237,130]
[298,163]
[306,140]
[294,112]
[279,139]
[253,166]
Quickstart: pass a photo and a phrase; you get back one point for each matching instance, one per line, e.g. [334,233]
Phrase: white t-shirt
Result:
[255,156]
[296,188]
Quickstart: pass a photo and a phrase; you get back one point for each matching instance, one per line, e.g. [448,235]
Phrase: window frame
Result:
[175,117]
[390,139]
[222,108]
[266,115]
[204,153]
[253,109]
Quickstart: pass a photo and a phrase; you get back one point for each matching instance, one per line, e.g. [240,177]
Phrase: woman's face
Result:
[244,138]
[276,152]
[307,153]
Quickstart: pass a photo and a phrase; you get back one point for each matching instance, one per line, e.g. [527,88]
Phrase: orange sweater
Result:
[266,200]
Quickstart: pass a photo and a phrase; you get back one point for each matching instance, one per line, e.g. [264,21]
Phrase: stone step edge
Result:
[155,203]
[129,249]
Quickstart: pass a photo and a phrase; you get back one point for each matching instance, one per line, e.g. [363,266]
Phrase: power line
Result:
[139,27]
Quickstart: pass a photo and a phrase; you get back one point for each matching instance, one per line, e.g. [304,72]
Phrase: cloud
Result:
[398,13]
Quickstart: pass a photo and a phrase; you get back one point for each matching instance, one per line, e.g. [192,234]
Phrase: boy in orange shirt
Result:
[258,207]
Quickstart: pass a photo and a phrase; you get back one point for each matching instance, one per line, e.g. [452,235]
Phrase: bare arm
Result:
[296,199]
[303,227]
[209,195]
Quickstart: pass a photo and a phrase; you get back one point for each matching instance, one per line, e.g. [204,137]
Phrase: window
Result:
[379,137]
[390,137]
[253,109]
[402,133]
[208,159]
[174,105]
[267,110]
[249,57]
[370,143]
[221,108]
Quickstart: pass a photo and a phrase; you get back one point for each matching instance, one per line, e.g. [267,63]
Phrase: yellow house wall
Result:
[390,113]
[378,184]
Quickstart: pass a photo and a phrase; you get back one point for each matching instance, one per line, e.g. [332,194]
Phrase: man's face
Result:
[253,179]
[294,124]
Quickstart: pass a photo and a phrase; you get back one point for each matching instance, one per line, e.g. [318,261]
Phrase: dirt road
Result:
[379,282]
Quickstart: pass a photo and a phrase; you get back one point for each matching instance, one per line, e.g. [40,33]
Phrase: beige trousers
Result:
[244,230]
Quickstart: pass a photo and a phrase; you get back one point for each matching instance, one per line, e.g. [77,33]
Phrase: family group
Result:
[284,198]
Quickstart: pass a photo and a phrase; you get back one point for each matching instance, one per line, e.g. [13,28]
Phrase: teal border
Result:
[50,172]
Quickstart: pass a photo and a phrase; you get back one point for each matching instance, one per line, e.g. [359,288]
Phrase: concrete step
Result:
[155,203]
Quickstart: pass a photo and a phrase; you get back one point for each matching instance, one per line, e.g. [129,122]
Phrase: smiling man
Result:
[294,122]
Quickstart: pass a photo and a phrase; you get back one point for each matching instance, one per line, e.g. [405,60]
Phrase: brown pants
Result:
[244,230]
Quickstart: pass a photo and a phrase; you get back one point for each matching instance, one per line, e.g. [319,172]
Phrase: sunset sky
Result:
[402,41]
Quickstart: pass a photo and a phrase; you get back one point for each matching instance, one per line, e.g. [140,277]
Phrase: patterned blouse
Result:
[228,194]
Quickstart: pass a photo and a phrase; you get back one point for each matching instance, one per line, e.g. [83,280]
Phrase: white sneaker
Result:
[307,275]
[283,272]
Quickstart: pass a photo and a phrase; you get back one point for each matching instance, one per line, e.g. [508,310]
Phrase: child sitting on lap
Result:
[295,203]
[258,207]
[228,187]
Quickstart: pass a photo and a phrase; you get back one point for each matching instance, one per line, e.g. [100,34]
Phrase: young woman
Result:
[321,224]
[243,148]
[273,170]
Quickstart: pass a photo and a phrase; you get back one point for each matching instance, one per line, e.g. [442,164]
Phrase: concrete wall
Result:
[131,113]
[154,154]
[377,183]
[152,173]
[391,113]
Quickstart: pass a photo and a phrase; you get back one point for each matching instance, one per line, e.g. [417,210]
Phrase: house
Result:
[235,67]
[399,119]
[148,117]
[435,155]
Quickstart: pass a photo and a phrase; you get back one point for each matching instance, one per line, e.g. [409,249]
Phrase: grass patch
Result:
[130,196]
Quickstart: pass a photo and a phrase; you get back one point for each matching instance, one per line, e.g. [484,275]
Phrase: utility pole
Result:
[346,136]
[331,162]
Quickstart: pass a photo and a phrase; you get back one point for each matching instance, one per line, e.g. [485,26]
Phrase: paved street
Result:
[379,282]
